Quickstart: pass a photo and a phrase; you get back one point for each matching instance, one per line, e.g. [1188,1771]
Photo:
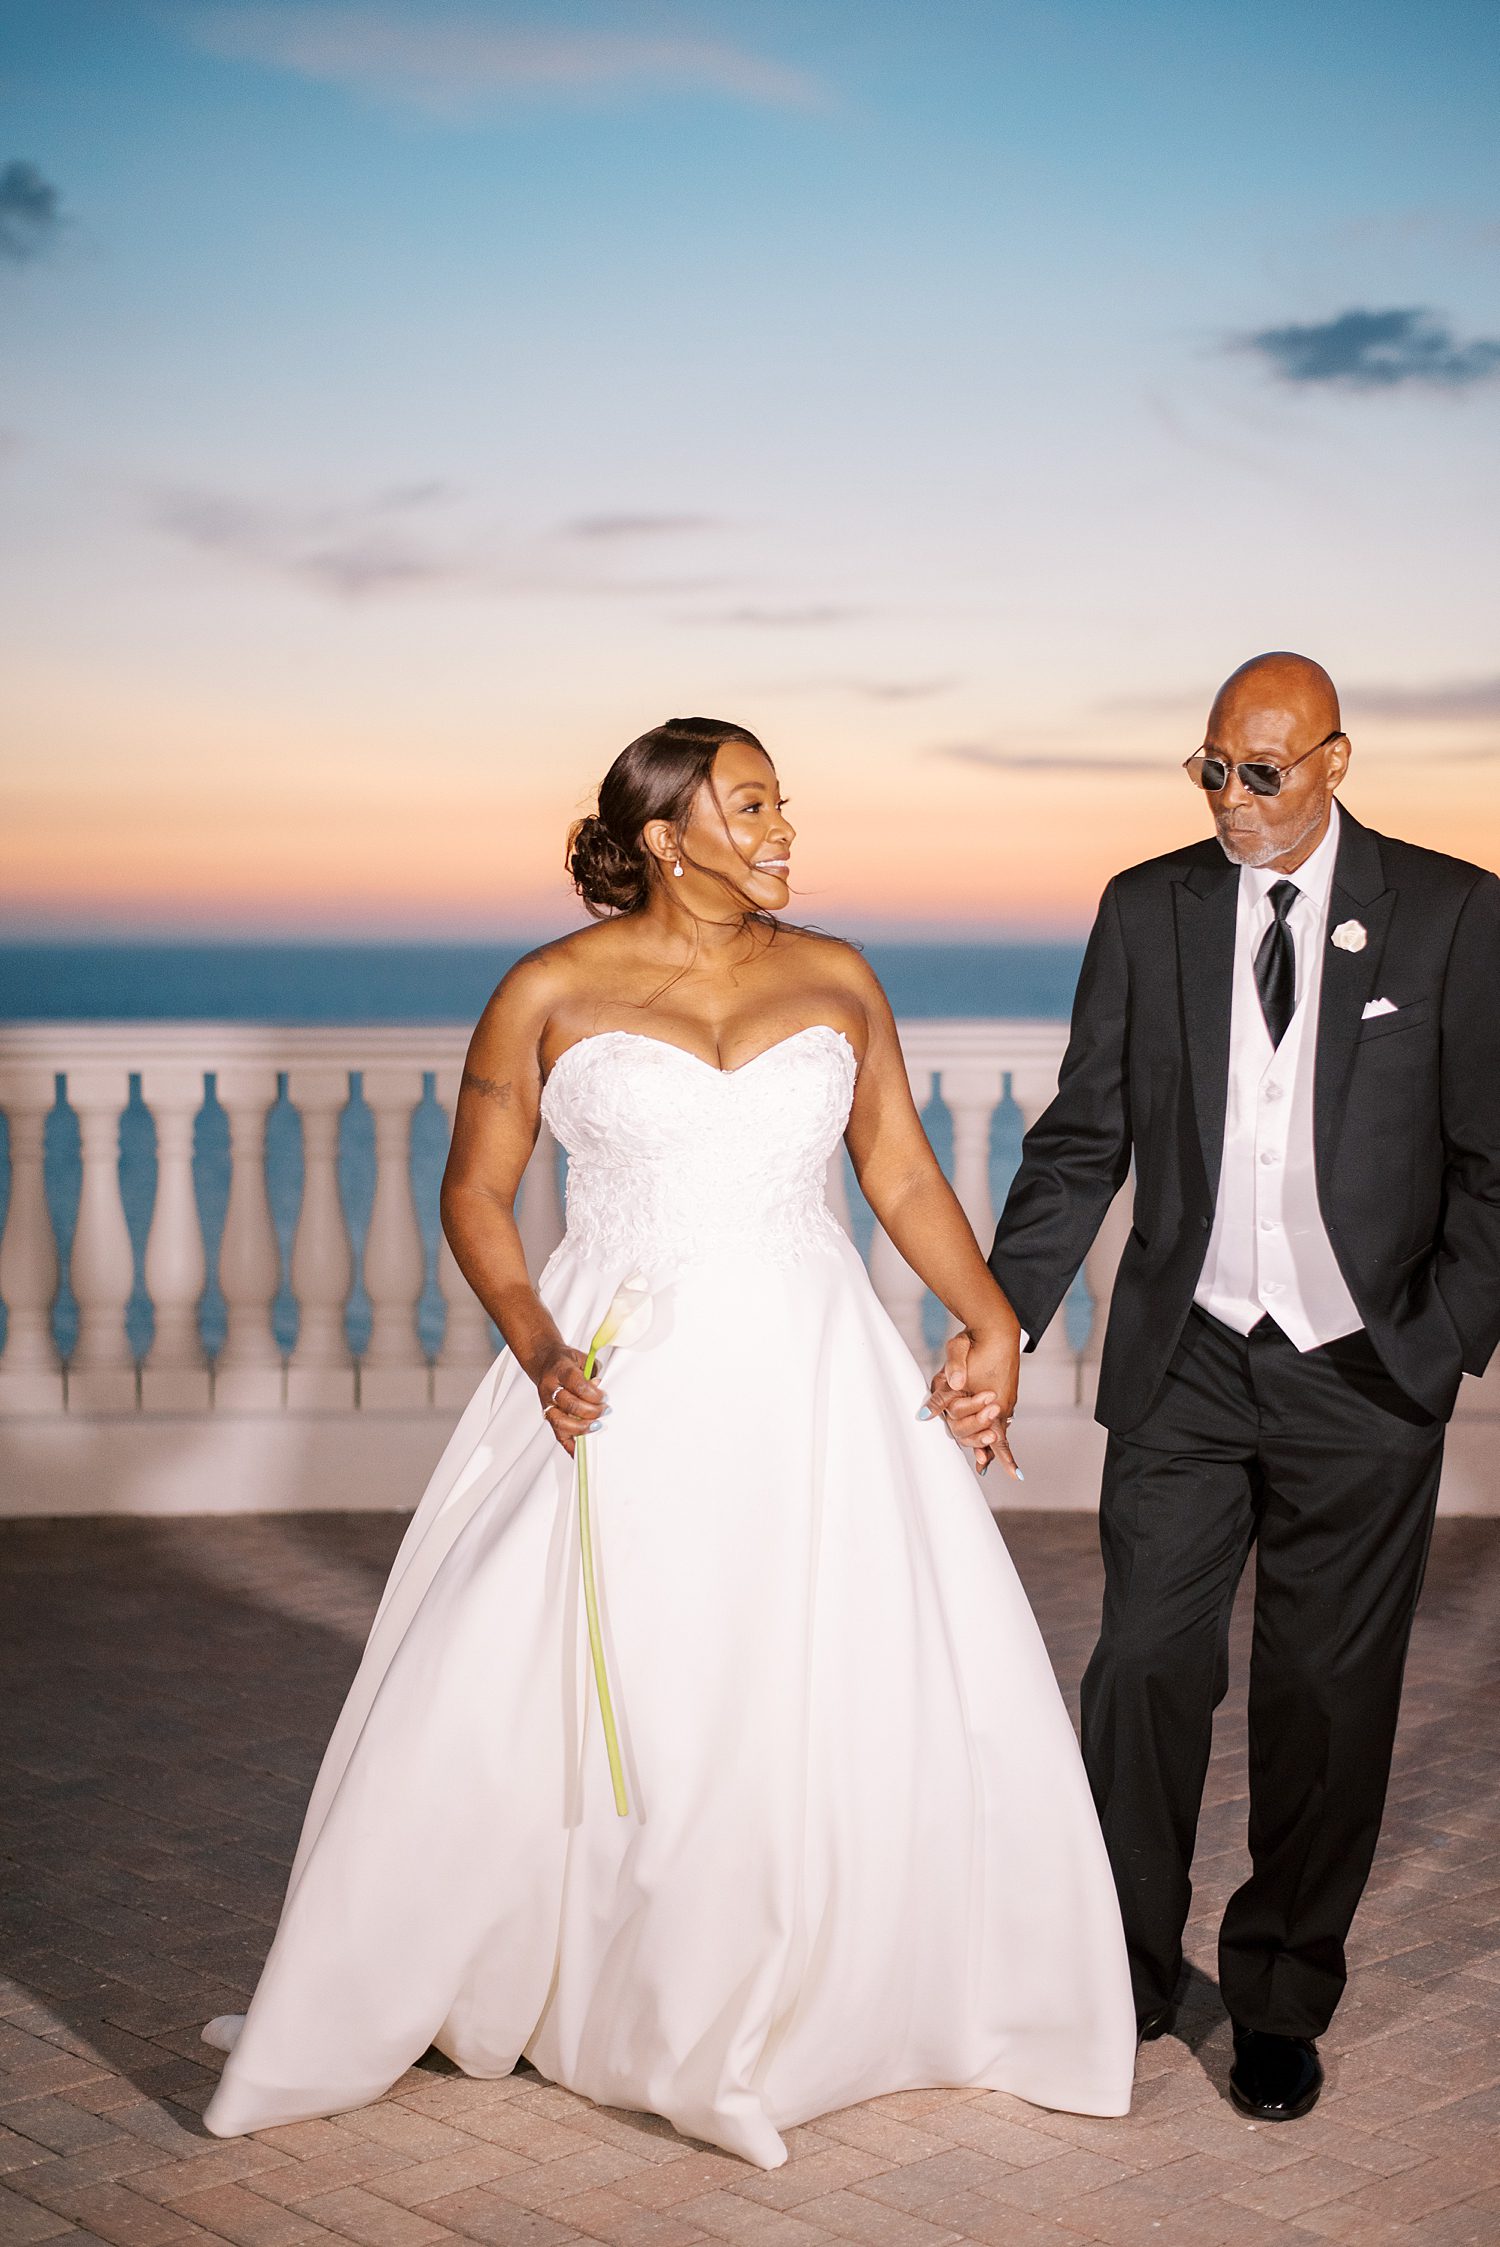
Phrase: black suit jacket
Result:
[1406,1113]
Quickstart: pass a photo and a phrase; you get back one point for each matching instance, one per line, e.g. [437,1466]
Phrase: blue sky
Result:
[404,405]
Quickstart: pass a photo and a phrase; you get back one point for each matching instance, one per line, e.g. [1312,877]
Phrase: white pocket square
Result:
[1379,1006]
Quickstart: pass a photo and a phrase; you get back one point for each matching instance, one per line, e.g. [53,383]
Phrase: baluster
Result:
[971,1095]
[539,1204]
[320,1372]
[393,1374]
[892,1278]
[1049,1374]
[1100,1267]
[101,1372]
[248,1375]
[175,1377]
[30,1375]
[467,1347]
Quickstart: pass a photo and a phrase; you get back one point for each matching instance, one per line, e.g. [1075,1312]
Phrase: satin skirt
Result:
[861,1855]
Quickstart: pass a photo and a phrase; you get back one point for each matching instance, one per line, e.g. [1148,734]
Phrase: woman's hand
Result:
[571,1405]
[976,1393]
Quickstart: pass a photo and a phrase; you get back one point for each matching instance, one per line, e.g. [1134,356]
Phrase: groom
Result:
[1294,1031]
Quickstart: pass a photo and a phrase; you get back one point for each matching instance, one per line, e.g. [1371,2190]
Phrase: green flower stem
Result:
[591,1604]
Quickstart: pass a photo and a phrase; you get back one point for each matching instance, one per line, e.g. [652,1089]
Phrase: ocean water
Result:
[311,983]
[441,982]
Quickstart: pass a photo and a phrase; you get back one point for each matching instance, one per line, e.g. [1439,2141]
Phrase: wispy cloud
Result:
[804,616]
[898,690]
[408,538]
[1436,699]
[1041,760]
[30,212]
[1364,350]
[893,691]
[352,551]
[623,528]
[450,62]
[1162,705]
[1443,699]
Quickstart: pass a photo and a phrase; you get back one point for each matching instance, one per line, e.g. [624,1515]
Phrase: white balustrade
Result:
[900,1289]
[467,1344]
[320,1373]
[393,1372]
[30,1374]
[1100,1266]
[101,1371]
[311,1454]
[971,1093]
[174,1377]
[1050,1372]
[248,1373]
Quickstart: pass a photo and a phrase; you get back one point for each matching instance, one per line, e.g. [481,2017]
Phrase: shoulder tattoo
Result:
[488,1088]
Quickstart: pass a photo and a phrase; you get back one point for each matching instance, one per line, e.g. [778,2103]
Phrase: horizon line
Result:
[924,933]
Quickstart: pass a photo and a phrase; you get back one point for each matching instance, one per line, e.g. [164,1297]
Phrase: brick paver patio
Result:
[168,1689]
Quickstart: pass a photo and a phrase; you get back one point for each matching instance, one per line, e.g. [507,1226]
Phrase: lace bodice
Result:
[672,1161]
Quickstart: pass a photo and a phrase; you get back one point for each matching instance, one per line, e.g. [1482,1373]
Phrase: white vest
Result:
[1269,1251]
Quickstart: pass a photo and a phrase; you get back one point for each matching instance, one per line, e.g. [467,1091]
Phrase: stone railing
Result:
[224,1283]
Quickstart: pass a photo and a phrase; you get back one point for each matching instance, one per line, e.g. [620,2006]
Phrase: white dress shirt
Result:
[1269,1251]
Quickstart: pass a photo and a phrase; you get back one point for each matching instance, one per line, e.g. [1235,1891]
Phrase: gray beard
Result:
[1263,852]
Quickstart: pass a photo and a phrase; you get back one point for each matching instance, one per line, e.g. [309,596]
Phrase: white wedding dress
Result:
[860,1855]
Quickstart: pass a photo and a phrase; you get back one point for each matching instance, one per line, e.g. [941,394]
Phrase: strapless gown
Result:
[861,1855]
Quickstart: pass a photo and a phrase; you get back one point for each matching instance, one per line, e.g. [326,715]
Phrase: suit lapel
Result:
[1360,896]
[1206,902]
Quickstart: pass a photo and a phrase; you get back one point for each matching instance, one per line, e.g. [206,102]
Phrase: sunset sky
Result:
[401,406]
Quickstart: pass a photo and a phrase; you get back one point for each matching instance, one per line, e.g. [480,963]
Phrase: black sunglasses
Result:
[1261,779]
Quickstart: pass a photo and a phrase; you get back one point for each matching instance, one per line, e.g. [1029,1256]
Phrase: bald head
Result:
[1283,710]
[1279,685]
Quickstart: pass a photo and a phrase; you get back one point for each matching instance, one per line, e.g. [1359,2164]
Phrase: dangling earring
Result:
[677,869]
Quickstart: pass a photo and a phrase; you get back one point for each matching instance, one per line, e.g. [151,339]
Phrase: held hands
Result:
[572,1405]
[975,1392]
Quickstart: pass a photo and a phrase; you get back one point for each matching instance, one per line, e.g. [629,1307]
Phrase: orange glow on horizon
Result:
[1015,852]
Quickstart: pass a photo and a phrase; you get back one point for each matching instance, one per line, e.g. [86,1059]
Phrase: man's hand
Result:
[975,1392]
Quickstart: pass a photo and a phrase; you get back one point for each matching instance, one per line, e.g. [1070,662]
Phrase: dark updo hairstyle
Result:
[657,777]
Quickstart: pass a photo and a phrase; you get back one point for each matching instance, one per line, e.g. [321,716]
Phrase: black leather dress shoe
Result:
[1149,2026]
[1274,2078]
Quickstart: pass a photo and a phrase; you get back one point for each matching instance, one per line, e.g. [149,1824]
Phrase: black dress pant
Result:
[1331,1471]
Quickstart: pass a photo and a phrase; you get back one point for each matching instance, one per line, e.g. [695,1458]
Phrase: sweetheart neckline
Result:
[643,1037]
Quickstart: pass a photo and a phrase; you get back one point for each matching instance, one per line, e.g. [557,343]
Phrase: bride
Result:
[858,1853]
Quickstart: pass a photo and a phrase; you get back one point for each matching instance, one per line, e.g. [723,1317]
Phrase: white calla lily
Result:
[627,1321]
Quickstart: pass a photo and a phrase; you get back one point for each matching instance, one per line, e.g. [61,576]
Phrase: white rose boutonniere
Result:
[1351,936]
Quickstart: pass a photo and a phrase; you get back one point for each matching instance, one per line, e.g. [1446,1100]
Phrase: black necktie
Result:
[1276,964]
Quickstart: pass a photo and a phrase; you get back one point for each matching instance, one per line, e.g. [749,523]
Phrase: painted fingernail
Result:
[1019,1476]
[925,1412]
